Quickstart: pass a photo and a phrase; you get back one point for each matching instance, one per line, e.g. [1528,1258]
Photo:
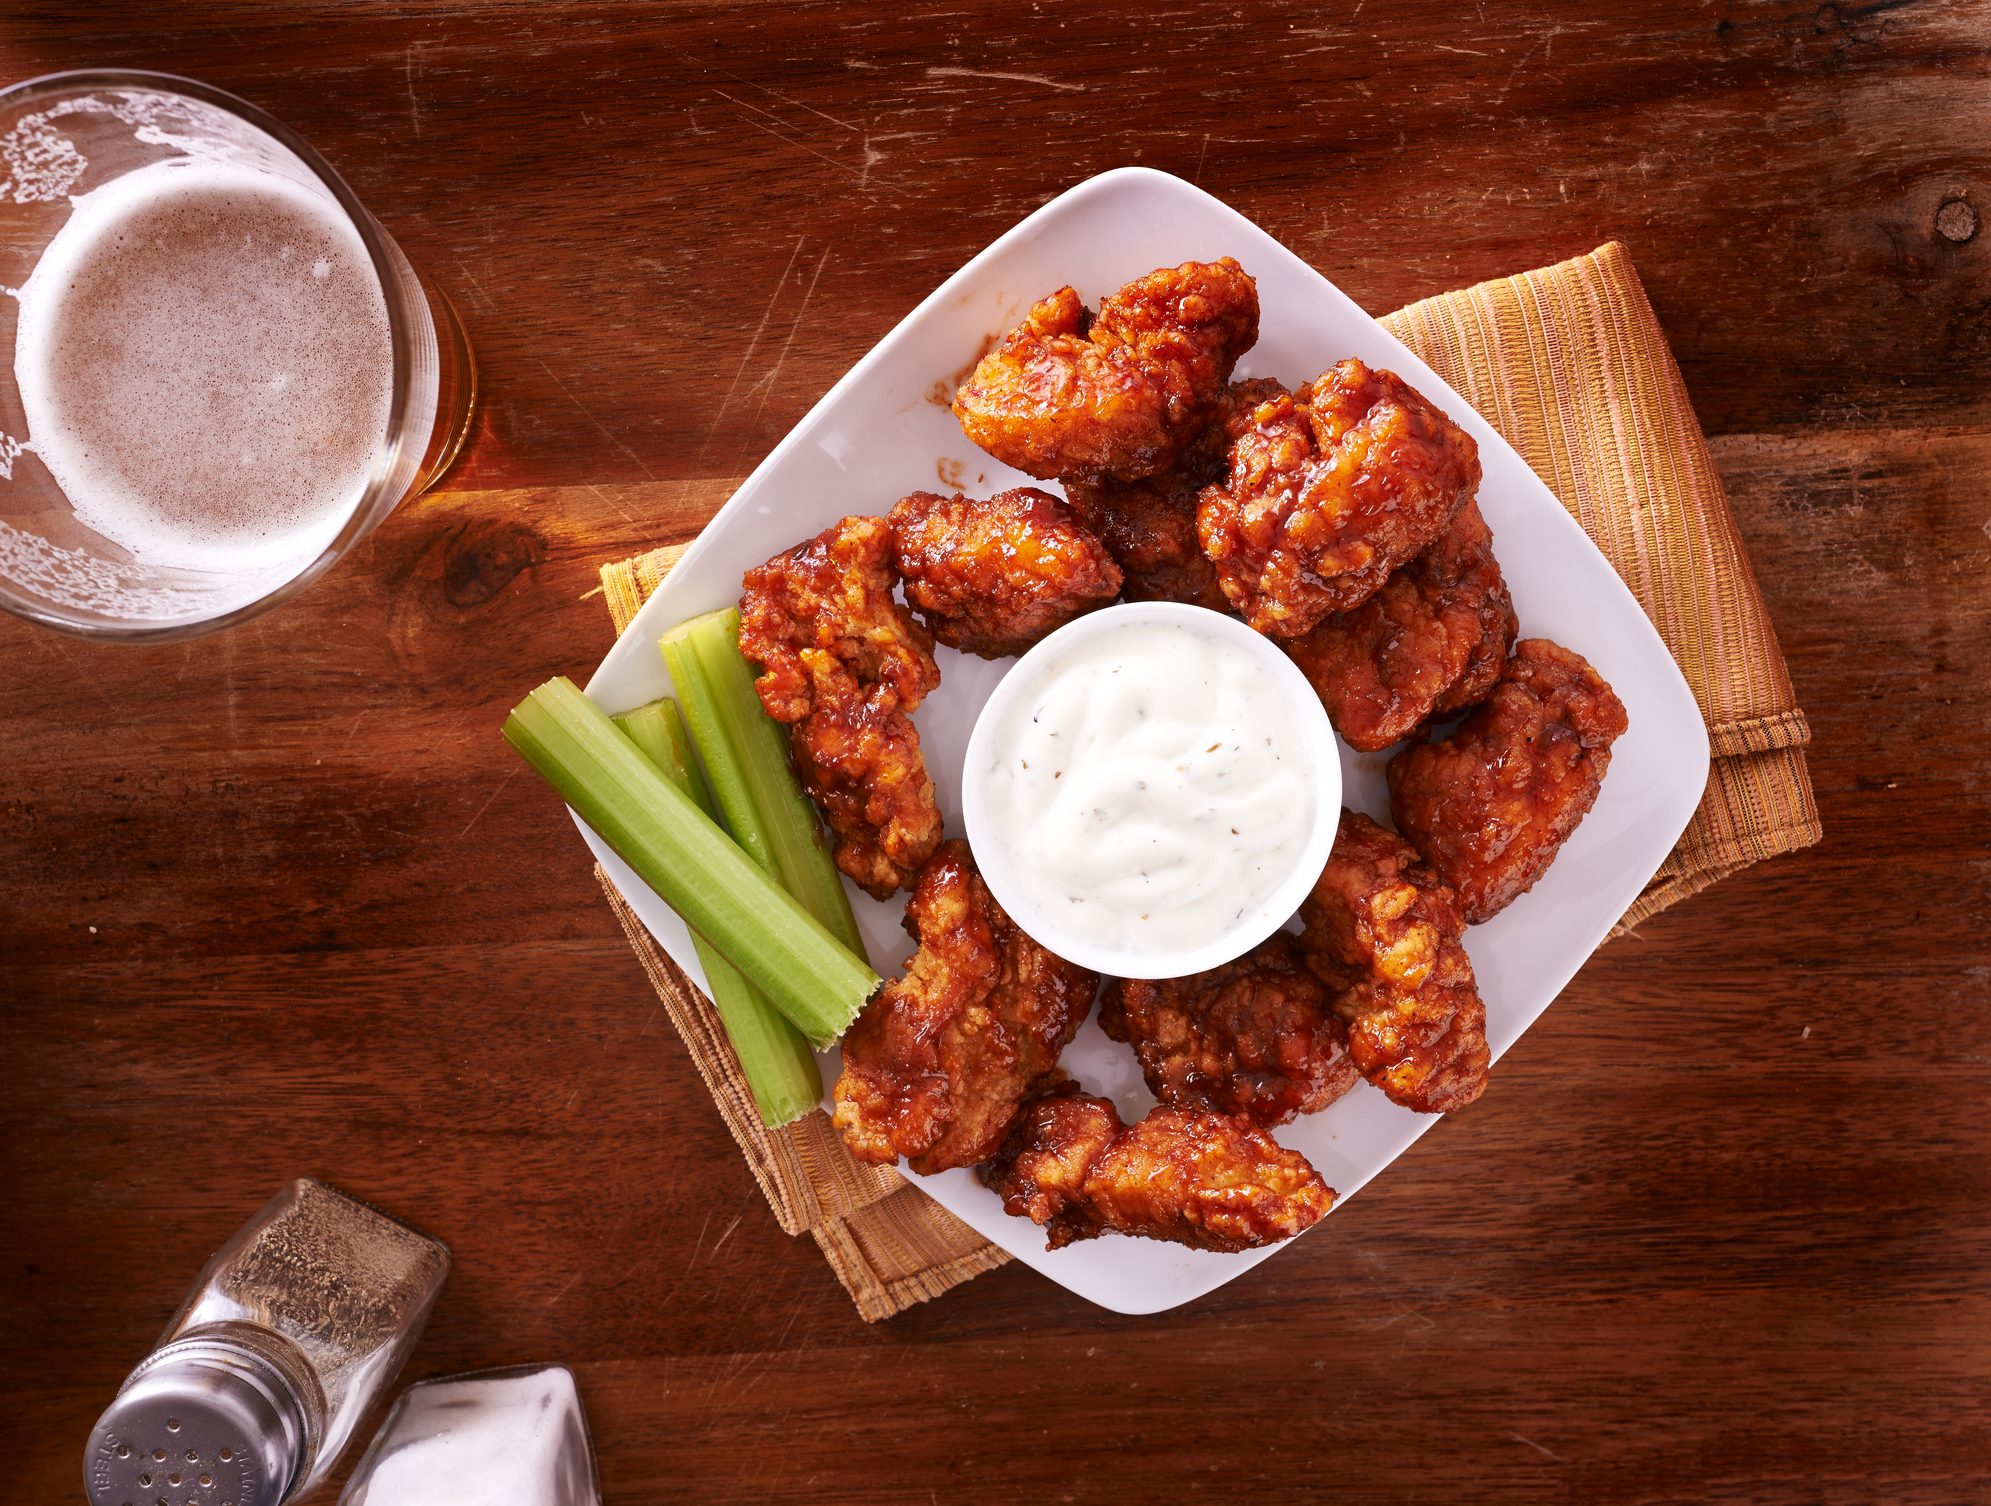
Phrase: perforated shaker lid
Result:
[198,1424]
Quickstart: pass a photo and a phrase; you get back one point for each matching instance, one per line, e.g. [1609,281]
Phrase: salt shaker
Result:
[512,1437]
[295,1328]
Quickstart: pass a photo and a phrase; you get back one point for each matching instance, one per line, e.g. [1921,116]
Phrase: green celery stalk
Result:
[745,753]
[675,848]
[775,1059]
[655,729]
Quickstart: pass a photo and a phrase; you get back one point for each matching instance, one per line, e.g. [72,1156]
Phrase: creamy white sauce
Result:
[1153,787]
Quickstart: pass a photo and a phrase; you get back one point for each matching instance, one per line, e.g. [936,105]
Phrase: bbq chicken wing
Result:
[1185,1175]
[1431,641]
[844,666]
[1384,934]
[1121,394]
[935,1067]
[1149,525]
[1258,1037]
[866,773]
[991,578]
[1330,489]
[1491,805]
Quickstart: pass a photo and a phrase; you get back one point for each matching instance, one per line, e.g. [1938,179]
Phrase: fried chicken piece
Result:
[1491,805]
[1382,932]
[1122,394]
[991,578]
[935,1067]
[1149,526]
[1330,490]
[1185,1175]
[1257,1037]
[866,773]
[844,666]
[1431,641]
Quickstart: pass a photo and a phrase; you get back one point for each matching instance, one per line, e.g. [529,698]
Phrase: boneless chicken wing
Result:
[1330,489]
[867,774]
[1150,525]
[1257,1037]
[1491,805]
[935,1067]
[1431,641]
[1122,393]
[844,666]
[1186,1175]
[1383,933]
[991,578]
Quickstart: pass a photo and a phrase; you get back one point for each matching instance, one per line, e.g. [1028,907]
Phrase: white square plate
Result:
[882,432]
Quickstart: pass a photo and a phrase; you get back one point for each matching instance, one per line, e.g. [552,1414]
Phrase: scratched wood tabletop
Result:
[278,902]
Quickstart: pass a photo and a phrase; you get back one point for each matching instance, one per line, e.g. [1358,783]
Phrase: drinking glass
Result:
[68,135]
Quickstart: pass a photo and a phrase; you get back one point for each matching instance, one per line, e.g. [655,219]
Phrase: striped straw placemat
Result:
[1570,365]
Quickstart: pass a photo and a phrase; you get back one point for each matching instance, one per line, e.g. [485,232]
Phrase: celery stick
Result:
[776,1061]
[745,753]
[655,729]
[677,850]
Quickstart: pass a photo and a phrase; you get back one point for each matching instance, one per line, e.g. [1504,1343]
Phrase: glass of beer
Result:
[225,373]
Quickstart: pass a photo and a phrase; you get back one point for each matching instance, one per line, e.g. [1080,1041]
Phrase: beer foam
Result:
[204,360]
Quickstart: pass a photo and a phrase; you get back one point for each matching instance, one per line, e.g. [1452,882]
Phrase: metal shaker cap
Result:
[200,1423]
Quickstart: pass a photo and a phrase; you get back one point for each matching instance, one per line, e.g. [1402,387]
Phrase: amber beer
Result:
[225,372]
[204,360]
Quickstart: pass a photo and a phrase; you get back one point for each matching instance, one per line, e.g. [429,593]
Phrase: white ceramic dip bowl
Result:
[1158,822]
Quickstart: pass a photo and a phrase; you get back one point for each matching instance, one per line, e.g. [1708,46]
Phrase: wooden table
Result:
[281,902]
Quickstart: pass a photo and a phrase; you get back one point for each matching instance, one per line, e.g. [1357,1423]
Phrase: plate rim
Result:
[1673,687]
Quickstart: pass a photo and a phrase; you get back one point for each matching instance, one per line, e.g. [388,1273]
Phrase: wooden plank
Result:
[279,902]
[644,191]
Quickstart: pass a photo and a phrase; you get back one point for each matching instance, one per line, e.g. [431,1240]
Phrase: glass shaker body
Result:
[296,1326]
[513,1437]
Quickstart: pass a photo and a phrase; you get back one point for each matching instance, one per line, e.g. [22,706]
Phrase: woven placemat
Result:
[1570,365]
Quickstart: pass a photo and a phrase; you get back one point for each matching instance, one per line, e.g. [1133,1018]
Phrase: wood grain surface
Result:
[280,901]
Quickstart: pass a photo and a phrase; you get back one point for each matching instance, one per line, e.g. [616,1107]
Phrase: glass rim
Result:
[381,250]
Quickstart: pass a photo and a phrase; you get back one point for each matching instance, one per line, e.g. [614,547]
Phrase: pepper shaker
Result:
[295,1328]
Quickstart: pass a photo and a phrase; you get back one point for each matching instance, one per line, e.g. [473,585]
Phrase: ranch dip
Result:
[1152,784]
